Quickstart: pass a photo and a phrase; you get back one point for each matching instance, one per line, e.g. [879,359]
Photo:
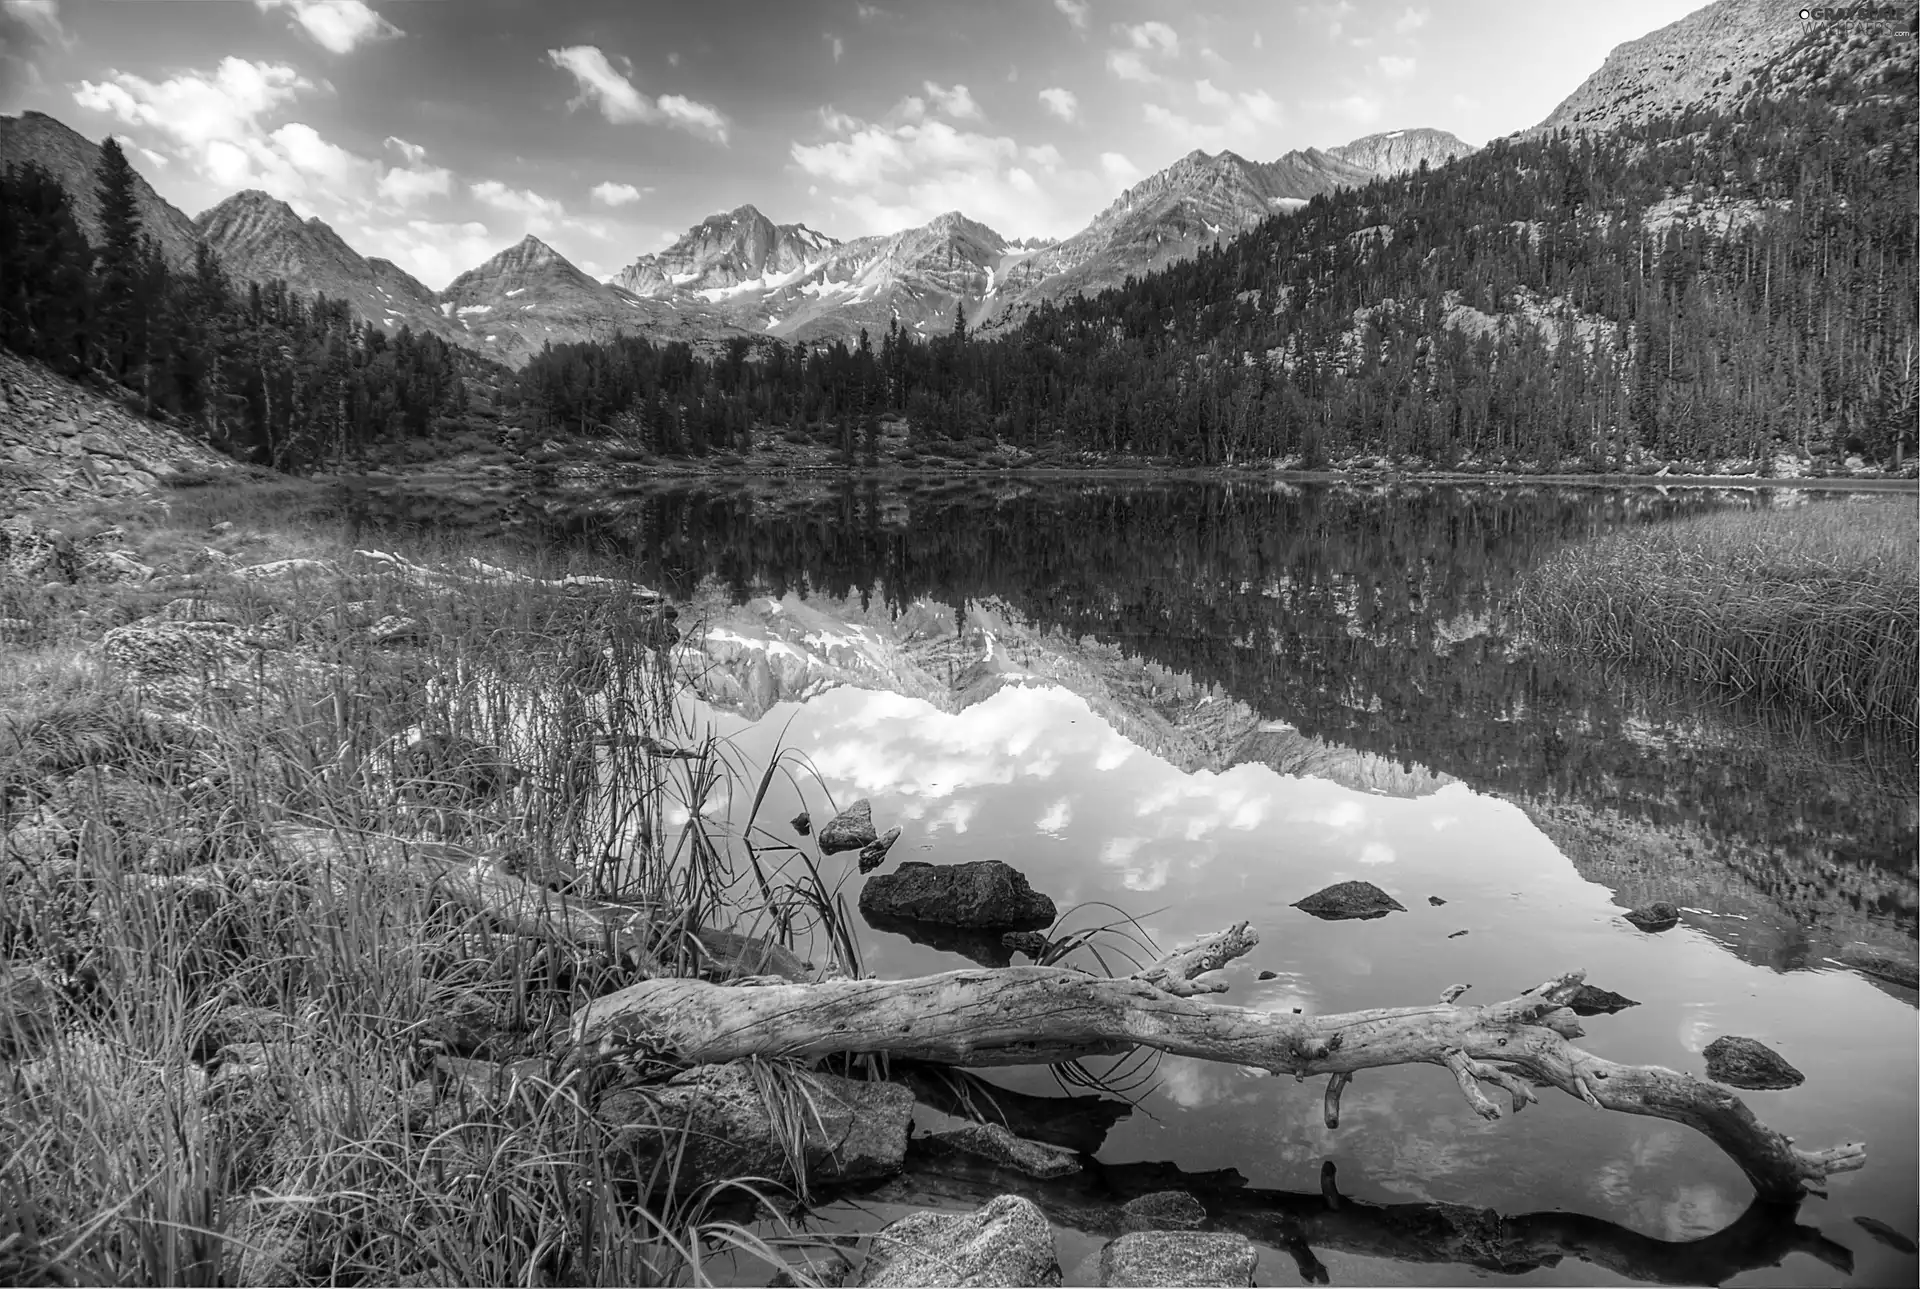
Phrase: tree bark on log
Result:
[1034,1015]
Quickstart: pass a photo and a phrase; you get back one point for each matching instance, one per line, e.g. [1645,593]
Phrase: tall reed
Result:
[1816,606]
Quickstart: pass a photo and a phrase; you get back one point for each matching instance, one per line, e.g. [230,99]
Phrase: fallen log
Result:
[1036,1015]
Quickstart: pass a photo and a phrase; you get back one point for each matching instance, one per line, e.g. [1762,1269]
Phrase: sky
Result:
[439,132]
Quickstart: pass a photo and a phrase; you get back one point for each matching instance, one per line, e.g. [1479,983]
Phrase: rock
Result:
[1455,935]
[195,609]
[1178,1258]
[221,528]
[851,829]
[36,838]
[874,853]
[1163,1211]
[993,1142]
[854,1130]
[396,630]
[1745,1063]
[1435,900]
[1269,975]
[802,823]
[1590,1001]
[1349,900]
[983,893]
[828,1267]
[1897,968]
[278,569]
[1031,943]
[1657,916]
[29,1010]
[1886,1235]
[178,661]
[1006,1241]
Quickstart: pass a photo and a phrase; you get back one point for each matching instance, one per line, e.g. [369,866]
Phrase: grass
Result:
[254,1072]
[1812,606]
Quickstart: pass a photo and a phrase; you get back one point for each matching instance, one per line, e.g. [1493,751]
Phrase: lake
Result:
[1191,704]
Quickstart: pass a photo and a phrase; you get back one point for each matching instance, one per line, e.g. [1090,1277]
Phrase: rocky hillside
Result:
[258,237]
[73,160]
[1400,151]
[62,442]
[1727,52]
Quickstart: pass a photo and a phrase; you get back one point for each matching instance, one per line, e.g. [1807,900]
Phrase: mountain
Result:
[73,160]
[1401,151]
[259,237]
[723,253]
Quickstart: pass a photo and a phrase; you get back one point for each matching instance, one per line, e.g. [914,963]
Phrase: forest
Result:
[1710,288]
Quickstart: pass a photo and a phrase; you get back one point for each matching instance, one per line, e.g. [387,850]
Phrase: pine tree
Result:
[118,262]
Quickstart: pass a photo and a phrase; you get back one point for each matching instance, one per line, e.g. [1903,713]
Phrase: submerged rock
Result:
[874,853]
[851,829]
[1435,900]
[1031,943]
[1006,1241]
[1746,1063]
[1657,916]
[1898,969]
[1163,1211]
[1269,975]
[1590,1001]
[1178,1258]
[828,1267]
[1349,900]
[983,893]
[996,1144]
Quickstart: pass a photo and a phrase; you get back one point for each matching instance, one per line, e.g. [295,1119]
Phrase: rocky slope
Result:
[258,237]
[1401,151]
[73,160]
[724,253]
[61,441]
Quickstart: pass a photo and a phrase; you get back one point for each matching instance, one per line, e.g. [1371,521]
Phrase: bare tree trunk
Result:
[1038,1015]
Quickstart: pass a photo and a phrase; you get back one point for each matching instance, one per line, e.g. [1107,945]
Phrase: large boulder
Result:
[983,893]
[1746,1063]
[1005,1242]
[177,663]
[1178,1258]
[851,829]
[853,1130]
[1163,1211]
[1345,900]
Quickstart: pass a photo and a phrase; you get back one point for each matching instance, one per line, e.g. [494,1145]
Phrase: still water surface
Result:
[1198,703]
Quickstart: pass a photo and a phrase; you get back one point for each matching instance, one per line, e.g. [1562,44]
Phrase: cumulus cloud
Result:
[337,26]
[1075,10]
[1396,68]
[623,104]
[1329,14]
[410,186]
[956,102]
[1061,102]
[1144,40]
[1412,20]
[541,213]
[1128,65]
[903,170]
[1115,166]
[1238,120]
[26,27]
[838,45]
[413,152]
[613,194]
[1152,36]
[433,251]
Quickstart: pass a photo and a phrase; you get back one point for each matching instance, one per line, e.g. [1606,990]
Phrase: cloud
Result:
[26,27]
[410,186]
[613,194]
[1330,13]
[1152,37]
[1412,20]
[1357,107]
[839,45]
[1075,10]
[1130,66]
[1396,68]
[433,251]
[1122,171]
[542,213]
[622,104]
[337,26]
[868,12]
[956,102]
[413,152]
[197,109]
[1060,102]
[1243,120]
[902,171]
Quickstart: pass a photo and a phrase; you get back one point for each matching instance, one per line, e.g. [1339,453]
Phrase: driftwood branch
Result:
[1043,1014]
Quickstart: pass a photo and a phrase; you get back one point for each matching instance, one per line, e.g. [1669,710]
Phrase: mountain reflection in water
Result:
[1201,702]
